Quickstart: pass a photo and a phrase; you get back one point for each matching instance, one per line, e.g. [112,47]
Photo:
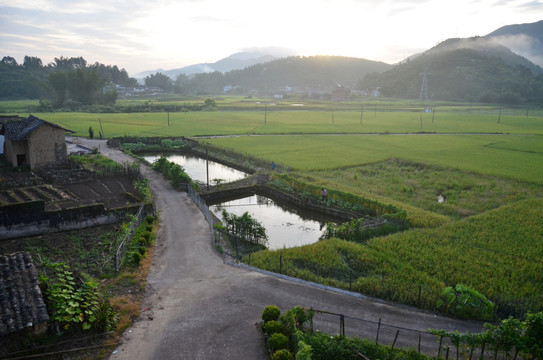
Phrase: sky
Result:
[140,35]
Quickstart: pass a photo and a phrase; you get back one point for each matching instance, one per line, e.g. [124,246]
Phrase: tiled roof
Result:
[18,130]
[21,302]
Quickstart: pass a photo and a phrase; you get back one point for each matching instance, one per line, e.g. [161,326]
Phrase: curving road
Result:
[197,307]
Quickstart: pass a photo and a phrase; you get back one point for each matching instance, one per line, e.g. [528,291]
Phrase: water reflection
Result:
[195,167]
[285,225]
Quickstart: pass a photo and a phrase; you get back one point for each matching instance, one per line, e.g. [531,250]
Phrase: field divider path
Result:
[198,307]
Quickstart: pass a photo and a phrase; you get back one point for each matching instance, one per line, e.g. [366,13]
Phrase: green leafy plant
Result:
[272,327]
[464,302]
[277,341]
[73,305]
[282,354]
[271,312]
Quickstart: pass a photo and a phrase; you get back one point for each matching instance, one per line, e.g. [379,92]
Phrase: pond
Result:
[195,167]
[285,225]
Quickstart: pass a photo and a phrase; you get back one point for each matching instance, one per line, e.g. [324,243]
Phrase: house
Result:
[33,142]
[4,119]
[21,301]
[340,94]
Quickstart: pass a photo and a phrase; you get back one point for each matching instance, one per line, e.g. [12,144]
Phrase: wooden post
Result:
[500,116]
[439,348]
[433,113]
[420,293]
[249,259]
[341,325]
[378,329]
[168,117]
[395,338]
[207,168]
[419,342]
[482,351]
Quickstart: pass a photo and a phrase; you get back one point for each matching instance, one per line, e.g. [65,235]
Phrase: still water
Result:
[195,167]
[285,225]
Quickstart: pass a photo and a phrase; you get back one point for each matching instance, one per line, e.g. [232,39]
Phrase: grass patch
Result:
[418,185]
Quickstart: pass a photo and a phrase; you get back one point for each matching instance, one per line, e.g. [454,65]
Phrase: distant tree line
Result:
[66,81]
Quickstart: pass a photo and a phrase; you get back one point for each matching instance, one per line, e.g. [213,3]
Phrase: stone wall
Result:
[30,218]
[46,145]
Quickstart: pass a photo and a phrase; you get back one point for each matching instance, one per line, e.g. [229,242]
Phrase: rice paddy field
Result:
[470,179]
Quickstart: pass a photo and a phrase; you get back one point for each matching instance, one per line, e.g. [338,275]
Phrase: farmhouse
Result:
[33,142]
[21,301]
[340,94]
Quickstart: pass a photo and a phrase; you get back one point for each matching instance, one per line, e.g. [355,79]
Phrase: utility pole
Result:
[424,87]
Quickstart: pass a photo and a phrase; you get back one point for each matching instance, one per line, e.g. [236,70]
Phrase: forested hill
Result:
[476,69]
[298,73]
[306,72]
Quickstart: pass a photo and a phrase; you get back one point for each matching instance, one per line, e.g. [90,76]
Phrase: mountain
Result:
[308,74]
[323,72]
[235,61]
[473,69]
[523,39]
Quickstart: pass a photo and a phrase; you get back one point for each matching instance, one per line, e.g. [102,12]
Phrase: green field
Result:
[486,162]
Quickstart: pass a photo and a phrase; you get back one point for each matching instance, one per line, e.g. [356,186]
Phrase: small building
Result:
[4,119]
[21,300]
[33,142]
[340,94]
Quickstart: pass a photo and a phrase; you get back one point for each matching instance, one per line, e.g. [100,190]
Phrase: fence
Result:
[391,335]
[126,238]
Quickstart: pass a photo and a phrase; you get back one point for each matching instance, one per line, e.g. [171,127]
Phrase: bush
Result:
[272,327]
[282,354]
[271,312]
[277,342]
[466,303]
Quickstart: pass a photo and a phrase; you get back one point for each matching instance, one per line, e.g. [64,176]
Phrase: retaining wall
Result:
[30,218]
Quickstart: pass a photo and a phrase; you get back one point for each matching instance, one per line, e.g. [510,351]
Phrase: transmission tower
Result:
[424,87]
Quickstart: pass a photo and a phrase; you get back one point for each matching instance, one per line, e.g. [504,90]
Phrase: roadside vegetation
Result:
[290,335]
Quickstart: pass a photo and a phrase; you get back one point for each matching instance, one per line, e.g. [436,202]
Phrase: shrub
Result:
[271,312]
[282,354]
[464,302]
[277,342]
[272,327]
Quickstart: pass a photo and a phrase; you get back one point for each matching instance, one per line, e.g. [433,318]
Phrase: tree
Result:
[32,63]
[66,64]
[181,84]
[160,81]
[84,85]
[59,83]
[9,62]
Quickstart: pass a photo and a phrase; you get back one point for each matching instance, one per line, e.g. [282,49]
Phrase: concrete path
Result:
[197,307]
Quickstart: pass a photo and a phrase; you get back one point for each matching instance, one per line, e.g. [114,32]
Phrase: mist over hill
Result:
[523,39]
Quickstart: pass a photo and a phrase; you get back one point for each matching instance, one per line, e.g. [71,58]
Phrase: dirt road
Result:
[197,307]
